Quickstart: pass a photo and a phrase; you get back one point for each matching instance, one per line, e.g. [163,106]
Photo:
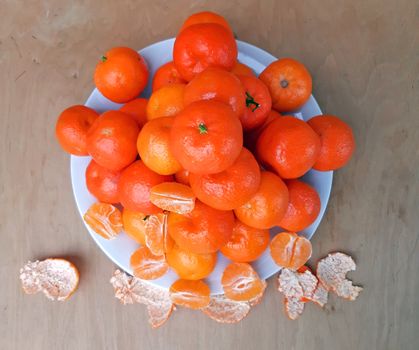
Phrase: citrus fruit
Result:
[134,225]
[136,109]
[111,140]
[166,74]
[166,101]
[337,142]
[146,265]
[102,183]
[173,196]
[153,145]
[242,69]
[206,137]
[267,206]
[303,207]
[191,294]
[190,266]
[154,233]
[205,17]
[182,176]
[246,243]
[203,230]
[290,250]
[121,75]
[289,146]
[289,83]
[72,127]
[135,185]
[217,84]
[251,136]
[230,188]
[104,219]
[204,45]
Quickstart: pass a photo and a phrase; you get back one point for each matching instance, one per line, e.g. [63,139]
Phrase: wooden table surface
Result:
[364,58]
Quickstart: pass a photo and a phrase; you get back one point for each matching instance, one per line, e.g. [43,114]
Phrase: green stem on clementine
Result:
[103,58]
[202,128]
[251,101]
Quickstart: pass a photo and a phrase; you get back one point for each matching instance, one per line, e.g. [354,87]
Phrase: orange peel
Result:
[293,308]
[224,310]
[104,219]
[56,278]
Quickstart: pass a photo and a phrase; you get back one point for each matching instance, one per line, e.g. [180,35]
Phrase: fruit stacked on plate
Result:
[209,162]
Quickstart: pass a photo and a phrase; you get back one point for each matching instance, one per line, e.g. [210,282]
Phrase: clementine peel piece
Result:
[224,310]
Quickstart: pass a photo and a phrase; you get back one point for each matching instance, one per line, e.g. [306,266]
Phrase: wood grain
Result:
[364,58]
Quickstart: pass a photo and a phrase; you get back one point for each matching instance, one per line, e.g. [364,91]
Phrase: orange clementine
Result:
[182,176]
[134,225]
[136,109]
[242,69]
[166,101]
[166,74]
[146,265]
[205,17]
[191,294]
[104,219]
[251,136]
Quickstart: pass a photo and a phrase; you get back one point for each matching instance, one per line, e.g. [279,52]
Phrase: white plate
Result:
[120,249]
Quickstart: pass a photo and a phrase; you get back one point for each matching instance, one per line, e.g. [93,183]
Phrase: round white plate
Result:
[120,249]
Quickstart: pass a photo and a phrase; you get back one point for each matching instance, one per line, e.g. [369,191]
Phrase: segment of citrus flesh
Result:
[290,250]
[56,278]
[173,196]
[293,308]
[146,265]
[192,294]
[241,282]
[104,219]
[131,290]
[155,226]
[332,271]
[224,310]
[134,225]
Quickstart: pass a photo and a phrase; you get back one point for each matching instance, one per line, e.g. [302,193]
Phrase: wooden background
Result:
[364,58]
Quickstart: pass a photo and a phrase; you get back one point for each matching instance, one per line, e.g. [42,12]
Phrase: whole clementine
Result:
[166,101]
[134,225]
[205,17]
[166,74]
[337,142]
[289,146]
[303,207]
[182,176]
[267,207]
[135,186]
[72,127]
[289,83]
[206,137]
[153,146]
[246,243]
[251,136]
[258,102]
[102,183]
[111,140]
[136,109]
[230,188]
[121,75]
[242,69]
[204,45]
[203,230]
[217,84]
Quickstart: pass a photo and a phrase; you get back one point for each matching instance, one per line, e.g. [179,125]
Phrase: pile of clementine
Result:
[172,170]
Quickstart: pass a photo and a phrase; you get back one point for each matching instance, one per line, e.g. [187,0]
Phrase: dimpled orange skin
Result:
[166,101]
[246,244]
[258,102]
[206,137]
[135,186]
[72,127]
[136,109]
[121,75]
[201,46]
[267,207]
[153,146]
[289,83]
[134,225]
[111,140]
[232,187]
[337,142]
[241,69]
[202,231]
[205,17]
[192,294]
[166,74]
[217,84]
[303,207]
[190,266]
[289,146]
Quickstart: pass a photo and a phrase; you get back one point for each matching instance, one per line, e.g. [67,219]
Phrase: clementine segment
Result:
[289,83]
[230,188]
[173,196]
[134,225]
[205,17]
[289,146]
[135,186]
[220,85]
[102,183]
[337,142]
[153,145]
[267,206]
[303,207]
[111,140]
[190,266]
[104,219]
[191,294]
[121,75]
[203,230]
[72,127]
[166,74]
[146,265]
[136,109]
[204,45]
[166,101]
[206,137]
[154,232]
